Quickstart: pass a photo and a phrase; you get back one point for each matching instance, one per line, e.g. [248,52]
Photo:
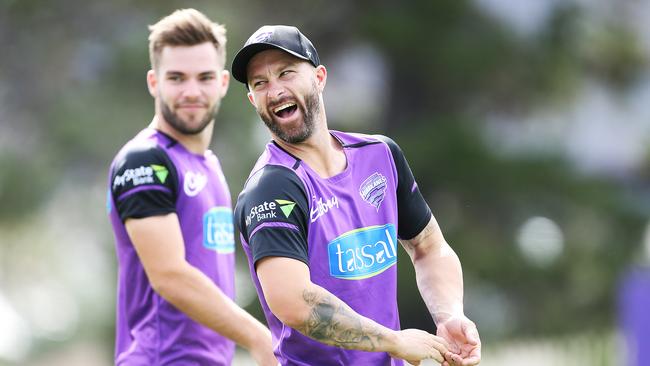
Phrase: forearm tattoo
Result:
[333,323]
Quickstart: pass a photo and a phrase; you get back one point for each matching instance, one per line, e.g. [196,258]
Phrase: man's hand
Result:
[263,355]
[415,345]
[463,339]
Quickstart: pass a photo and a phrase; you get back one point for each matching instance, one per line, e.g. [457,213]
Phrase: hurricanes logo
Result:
[261,37]
[373,189]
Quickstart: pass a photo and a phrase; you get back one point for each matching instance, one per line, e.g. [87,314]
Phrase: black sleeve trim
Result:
[144,182]
[271,213]
[413,212]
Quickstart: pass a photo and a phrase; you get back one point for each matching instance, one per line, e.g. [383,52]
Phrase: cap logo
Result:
[308,53]
[263,36]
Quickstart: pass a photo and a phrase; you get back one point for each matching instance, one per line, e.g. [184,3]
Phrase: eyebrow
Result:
[176,73]
[281,66]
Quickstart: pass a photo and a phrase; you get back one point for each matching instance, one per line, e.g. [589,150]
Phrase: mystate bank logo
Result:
[363,253]
[218,230]
[268,210]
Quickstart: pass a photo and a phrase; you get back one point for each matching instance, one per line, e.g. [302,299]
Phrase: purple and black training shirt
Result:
[345,228]
[153,175]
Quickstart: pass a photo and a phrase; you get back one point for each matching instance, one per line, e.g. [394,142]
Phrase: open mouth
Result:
[285,110]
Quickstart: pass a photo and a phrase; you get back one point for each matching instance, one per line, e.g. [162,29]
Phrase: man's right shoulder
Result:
[141,161]
[271,187]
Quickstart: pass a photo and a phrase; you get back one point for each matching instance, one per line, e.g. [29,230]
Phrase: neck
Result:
[196,144]
[321,151]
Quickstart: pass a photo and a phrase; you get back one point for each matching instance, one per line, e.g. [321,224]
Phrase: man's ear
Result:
[225,82]
[251,99]
[321,77]
[152,82]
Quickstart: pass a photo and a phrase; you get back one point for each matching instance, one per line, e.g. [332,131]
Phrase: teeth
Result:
[285,105]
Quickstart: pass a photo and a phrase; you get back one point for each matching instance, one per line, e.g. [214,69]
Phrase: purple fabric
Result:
[634,316]
[351,245]
[275,224]
[140,189]
[149,330]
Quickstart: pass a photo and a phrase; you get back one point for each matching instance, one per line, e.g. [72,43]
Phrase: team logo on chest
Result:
[373,190]
[193,183]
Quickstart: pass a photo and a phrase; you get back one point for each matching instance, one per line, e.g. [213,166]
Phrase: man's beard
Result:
[182,125]
[302,132]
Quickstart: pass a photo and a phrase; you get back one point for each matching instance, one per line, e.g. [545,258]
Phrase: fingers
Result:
[471,333]
[452,359]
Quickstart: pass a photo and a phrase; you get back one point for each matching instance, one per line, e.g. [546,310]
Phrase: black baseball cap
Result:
[283,37]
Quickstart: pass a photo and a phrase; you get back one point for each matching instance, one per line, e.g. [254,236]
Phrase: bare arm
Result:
[317,313]
[438,272]
[440,281]
[159,244]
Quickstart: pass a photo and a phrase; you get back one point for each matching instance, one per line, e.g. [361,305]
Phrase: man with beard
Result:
[170,208]
[320,216]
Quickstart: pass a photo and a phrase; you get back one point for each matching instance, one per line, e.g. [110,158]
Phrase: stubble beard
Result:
[183,126]
[305,130]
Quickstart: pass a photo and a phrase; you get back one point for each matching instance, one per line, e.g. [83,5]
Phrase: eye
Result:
[207,77]
[175,78]
[258,84]
[286,72]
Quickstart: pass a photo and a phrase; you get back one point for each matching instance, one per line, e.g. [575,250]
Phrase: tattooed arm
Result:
[317,313]
[440,281]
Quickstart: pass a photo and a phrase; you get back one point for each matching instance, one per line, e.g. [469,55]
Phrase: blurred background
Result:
[526,124]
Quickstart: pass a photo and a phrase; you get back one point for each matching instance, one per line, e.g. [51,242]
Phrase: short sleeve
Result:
[271,214]
[143,182]
[413,212]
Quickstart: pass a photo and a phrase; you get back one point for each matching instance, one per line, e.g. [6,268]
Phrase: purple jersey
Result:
[345,228]
[155,175]
[634,318]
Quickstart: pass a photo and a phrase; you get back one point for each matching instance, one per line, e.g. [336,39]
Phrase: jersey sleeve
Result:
[144,183]
[413,212]
[271,214]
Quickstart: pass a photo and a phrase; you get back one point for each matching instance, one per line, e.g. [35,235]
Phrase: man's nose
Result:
[192,89]
[275,90]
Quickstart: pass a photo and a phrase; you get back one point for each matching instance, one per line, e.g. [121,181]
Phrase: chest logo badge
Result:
[373,190]
[194,183]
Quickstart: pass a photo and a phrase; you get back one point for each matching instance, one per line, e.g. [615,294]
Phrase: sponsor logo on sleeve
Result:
[143,174]
[268,210]
[373,190]
[320,207]
[218,230]
[193,183]
[363,253]
[161,172]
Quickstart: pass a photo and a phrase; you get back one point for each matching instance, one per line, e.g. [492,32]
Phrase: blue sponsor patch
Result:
[109,206]
[218,230]
[363,253]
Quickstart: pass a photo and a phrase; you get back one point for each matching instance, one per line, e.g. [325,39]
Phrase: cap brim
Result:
[243,57]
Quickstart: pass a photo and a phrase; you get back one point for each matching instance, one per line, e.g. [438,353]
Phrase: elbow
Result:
[288,312]
[164,283]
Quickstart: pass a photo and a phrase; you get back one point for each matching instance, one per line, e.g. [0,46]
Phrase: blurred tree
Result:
[72,90]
